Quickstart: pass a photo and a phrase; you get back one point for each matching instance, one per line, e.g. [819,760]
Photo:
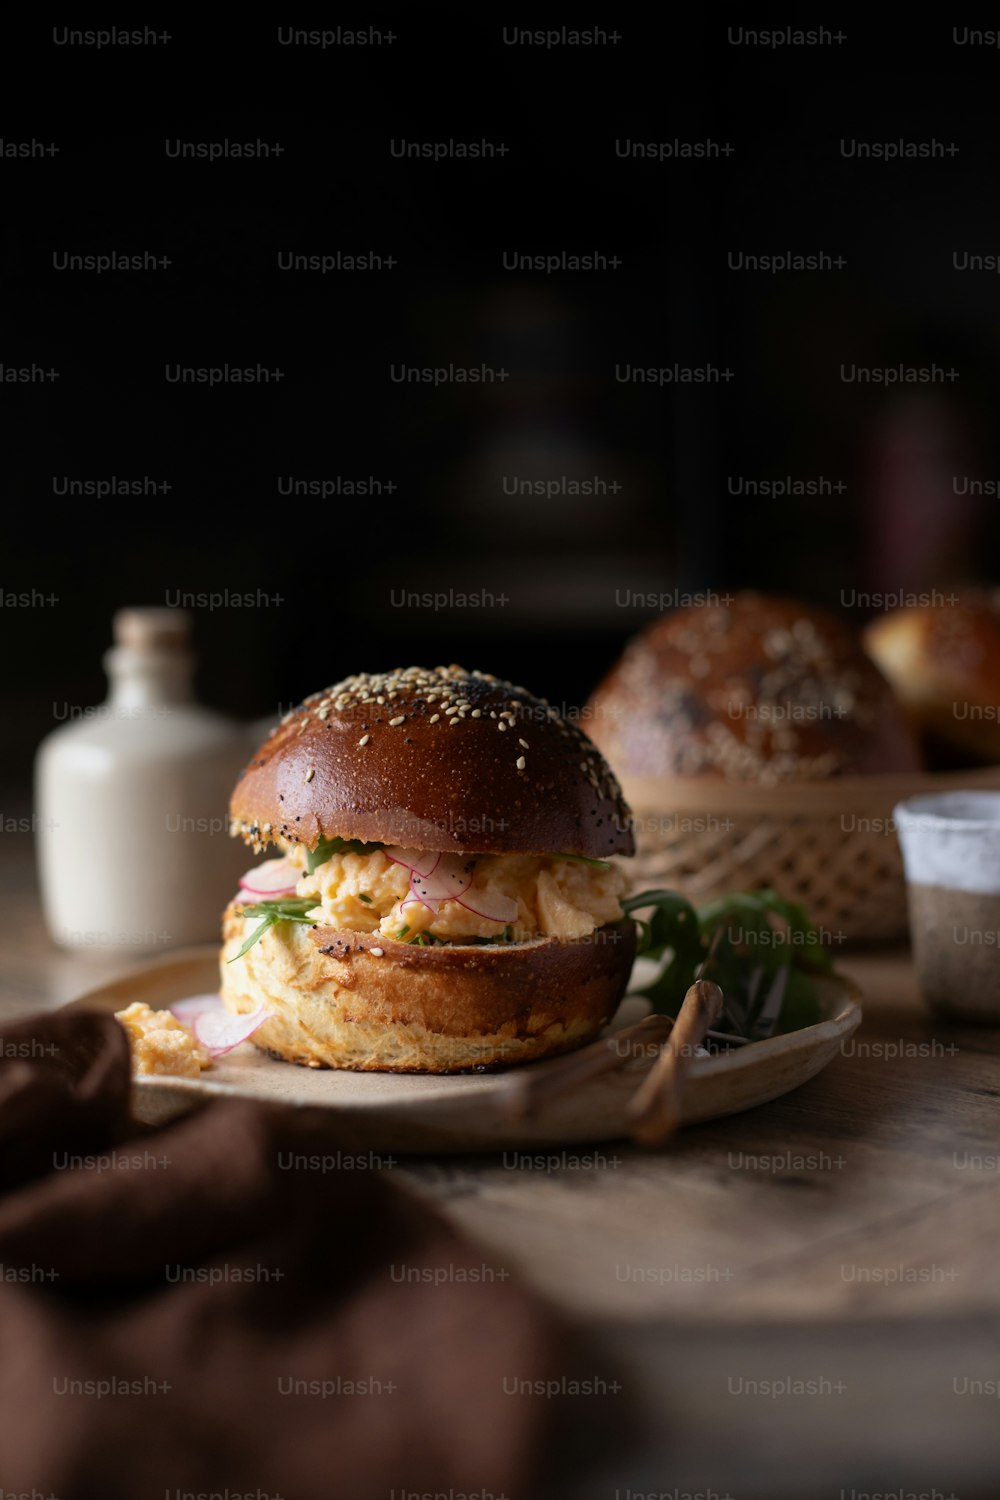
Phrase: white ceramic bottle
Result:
[131,797]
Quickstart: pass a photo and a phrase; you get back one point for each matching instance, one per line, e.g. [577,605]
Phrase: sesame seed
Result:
[477,713]
[523,743]
[434,718]
[364,739]
[376,952]
[520,762]
[399,719]
[502,727]
[310,773]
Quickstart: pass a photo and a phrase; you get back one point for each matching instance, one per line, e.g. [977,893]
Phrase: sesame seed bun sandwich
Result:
[438,895]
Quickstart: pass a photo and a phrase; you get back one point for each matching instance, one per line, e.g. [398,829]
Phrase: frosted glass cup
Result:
[951,853]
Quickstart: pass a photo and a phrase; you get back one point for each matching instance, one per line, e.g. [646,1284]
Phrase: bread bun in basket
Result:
[944,664]
[764,690]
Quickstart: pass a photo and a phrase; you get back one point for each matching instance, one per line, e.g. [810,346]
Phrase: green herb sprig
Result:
[287,909]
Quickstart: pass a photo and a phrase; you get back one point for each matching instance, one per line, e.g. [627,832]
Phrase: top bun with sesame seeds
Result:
[755,688]
[438,759]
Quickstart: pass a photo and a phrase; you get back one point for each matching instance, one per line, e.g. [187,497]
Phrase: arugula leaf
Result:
[287,909]
[673,925]
[762,957]
[326,848]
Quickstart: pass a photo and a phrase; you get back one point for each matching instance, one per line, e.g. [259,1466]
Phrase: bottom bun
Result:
[337,1004]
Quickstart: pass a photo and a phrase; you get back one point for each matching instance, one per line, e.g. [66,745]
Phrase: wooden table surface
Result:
[802,1300]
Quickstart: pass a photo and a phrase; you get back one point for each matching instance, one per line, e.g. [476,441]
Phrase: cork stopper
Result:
[152,628]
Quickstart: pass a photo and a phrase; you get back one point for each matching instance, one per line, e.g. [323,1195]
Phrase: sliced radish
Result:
[418,888]
[275,877]
[421,860]
[415,901]
[219,1031]
[448,878]
[447,881]
[494,908]
[187,1011]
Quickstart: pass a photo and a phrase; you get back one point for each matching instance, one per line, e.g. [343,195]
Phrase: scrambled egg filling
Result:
[160,1044]
[555,897]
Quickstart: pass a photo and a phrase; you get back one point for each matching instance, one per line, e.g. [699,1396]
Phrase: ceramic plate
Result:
[396,1112]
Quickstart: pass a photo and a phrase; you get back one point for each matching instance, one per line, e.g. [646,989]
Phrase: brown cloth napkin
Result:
[195,1309]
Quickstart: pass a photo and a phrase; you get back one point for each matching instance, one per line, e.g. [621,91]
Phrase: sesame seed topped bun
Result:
[759,689]
[441,759]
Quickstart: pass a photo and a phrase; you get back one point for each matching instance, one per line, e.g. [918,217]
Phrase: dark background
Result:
[569,565]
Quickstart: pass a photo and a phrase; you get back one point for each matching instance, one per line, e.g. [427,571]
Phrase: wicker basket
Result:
[830,845]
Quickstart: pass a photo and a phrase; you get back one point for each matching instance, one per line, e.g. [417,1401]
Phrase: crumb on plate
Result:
[160,1044]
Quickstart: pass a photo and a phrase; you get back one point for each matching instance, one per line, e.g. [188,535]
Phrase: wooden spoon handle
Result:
[655,1111]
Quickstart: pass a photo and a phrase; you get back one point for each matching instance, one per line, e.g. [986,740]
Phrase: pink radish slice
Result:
[501,908]
[418,887]
[447,877]
[448,880]
[220,1032]
[275,877]
[421,860]
[419,896]
[415,901]
[187,1011]
[450,876]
